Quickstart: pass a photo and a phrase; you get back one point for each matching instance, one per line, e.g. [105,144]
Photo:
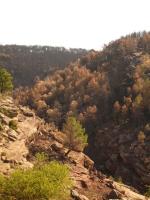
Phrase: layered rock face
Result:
[17,124]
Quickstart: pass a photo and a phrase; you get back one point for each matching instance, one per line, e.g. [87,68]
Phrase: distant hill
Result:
[28,62]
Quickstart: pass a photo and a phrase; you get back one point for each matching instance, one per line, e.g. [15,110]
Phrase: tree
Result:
[76,138]
[5,80]
[141,137]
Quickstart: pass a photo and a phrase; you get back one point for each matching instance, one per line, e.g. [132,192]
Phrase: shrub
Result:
[41,159]
[5,80]
[49,182]
[76,138]
[148,192]
[119,180]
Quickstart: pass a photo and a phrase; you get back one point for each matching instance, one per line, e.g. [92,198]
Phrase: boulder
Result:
[21,118]
[114,194]
[27,112]
[88,163]
[4,119]
[12,135]
[78,196]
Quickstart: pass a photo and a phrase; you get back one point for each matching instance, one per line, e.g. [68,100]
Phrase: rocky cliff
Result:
[124,154]
[23,134]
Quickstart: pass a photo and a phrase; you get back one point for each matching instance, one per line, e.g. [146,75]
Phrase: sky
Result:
[71,23]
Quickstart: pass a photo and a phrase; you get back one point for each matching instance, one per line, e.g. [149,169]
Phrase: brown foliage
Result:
[109,85]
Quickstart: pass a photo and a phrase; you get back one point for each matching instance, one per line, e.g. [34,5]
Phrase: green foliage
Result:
[5,80]
[119,179]
[41,159]
[148,192]
[76,138]
[49,182]
[13,125]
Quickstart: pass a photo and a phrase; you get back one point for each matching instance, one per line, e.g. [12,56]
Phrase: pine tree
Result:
[76,138]
[5,80]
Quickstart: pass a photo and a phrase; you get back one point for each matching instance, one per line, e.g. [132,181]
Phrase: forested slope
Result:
[109,92]
[26,63]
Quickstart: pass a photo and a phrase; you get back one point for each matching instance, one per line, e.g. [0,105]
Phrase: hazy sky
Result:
[71,23]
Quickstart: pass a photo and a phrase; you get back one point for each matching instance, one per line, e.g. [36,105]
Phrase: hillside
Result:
[26,63]
[19,144]
[109,93]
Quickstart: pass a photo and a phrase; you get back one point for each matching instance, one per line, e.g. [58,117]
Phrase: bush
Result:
[49,182]
[5,80]
[76,138]
[119,179]
[41,159]
[148,192]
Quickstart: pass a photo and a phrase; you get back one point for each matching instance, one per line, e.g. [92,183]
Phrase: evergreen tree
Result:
[76,138]
[5,80]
